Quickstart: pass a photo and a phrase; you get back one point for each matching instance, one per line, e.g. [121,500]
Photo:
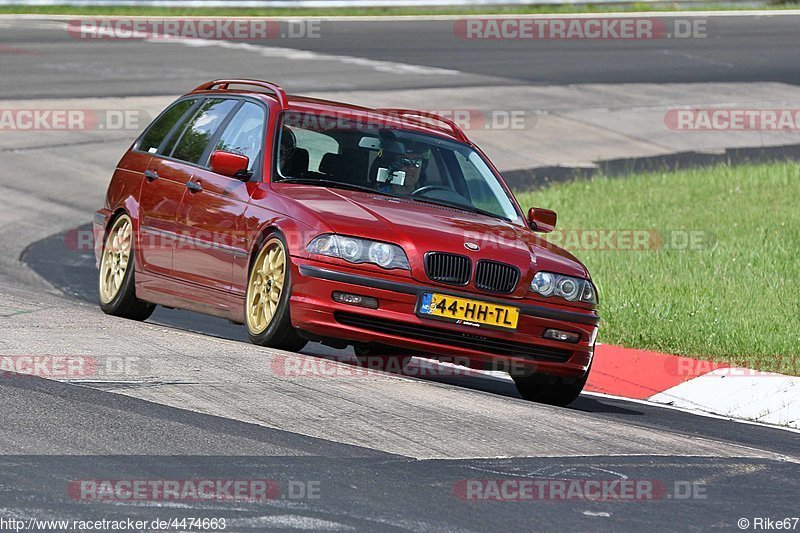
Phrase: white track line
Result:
[278,52]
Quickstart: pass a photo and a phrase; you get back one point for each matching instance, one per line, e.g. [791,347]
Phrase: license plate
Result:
[468,312]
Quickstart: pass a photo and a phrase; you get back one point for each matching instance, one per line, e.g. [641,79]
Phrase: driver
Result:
[411,163]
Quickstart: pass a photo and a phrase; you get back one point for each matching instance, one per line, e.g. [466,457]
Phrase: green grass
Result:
[735,298]
[372,11]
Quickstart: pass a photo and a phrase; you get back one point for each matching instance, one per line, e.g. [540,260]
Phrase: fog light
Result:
[355,299]
[563,336]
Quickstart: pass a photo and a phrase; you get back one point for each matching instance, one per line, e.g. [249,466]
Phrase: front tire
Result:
[116,284]
[383,358]
[269,287]
[549,390]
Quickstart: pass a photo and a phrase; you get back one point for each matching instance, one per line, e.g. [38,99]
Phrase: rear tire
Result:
[116,283]
[269,287]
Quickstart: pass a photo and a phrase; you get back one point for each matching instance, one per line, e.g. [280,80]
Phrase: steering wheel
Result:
[429,188]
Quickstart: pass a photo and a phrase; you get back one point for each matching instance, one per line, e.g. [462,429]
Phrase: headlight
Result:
[381,254]
[356,250]
[350,249]
[544,283]
[567,287]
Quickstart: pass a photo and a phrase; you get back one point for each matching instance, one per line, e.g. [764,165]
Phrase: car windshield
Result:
[333,152]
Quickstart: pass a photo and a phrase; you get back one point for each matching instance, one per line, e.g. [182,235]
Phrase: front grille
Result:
[496,277]
[453,338]
[448,268]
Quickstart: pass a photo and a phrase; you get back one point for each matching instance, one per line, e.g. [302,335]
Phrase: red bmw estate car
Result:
[304,219]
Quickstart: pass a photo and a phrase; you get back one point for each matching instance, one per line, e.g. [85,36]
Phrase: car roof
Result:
[406,119]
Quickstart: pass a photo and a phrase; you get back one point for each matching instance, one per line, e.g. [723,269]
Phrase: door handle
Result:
[194,187]
[151,175]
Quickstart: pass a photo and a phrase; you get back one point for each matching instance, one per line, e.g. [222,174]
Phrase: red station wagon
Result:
[310,220]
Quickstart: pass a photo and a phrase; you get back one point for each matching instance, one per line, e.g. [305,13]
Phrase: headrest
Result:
[331,164]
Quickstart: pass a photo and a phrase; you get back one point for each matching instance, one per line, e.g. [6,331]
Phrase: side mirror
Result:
[230,164]
[542,220]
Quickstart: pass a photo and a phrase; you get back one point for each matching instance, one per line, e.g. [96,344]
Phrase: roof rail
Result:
[457,131]
[280,94]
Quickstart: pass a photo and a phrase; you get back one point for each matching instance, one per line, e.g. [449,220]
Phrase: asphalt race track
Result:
[348,452]
[734,50]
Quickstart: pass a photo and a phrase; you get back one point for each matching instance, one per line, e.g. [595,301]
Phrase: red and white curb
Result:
[696,385]
[684,383]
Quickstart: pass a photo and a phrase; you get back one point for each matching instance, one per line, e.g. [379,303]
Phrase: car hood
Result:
[420,228]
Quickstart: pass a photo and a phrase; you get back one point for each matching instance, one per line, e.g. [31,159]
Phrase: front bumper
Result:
[396,323]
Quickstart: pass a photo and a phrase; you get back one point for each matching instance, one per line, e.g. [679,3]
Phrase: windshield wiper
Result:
[463,207]
[329,183]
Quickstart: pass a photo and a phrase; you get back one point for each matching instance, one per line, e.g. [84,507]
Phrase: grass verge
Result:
[374,11]
[732,296]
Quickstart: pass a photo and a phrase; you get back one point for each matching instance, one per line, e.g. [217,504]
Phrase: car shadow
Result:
[66,260]
[423,369]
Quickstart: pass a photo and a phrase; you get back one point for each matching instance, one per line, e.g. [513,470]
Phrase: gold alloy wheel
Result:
[265,286]
[116,257]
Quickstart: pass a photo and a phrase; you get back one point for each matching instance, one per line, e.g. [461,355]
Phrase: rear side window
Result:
[317,144]
[244,134]
[158,130]
[201,129]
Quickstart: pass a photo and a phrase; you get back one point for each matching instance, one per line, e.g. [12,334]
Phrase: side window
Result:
[201,129]
[244,134]
[158,130]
